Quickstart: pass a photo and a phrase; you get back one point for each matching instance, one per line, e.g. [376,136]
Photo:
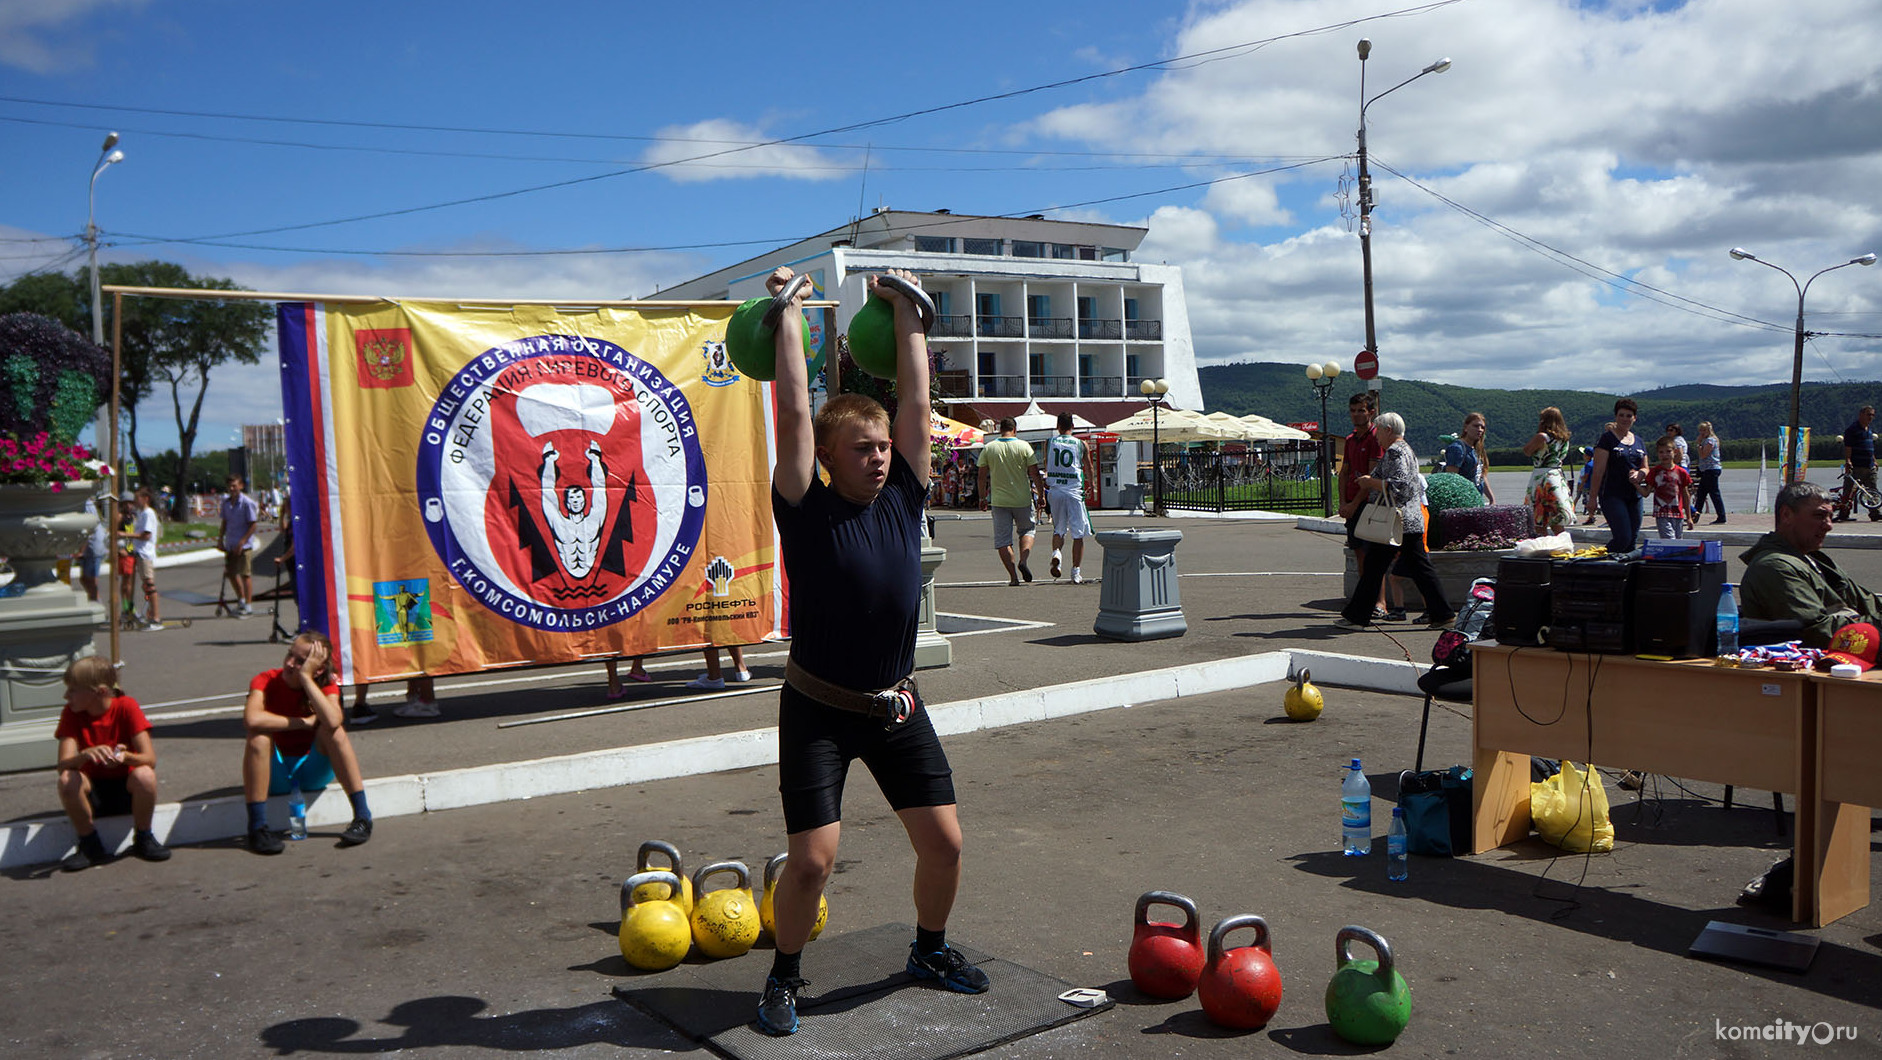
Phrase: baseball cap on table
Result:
[1856,643]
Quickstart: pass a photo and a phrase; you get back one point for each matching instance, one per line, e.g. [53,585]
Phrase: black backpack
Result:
[1452,651]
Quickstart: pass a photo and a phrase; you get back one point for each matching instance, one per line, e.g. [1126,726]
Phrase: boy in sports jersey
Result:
[852,551]
[1065,496]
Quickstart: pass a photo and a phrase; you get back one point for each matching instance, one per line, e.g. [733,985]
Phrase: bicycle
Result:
[1852,491]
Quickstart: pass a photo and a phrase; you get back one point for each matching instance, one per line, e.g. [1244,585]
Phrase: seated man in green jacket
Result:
[1788,575]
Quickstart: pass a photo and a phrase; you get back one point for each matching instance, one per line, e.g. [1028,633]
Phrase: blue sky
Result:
[1643,139]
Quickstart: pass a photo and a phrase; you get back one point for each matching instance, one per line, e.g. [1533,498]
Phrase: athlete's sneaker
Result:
[1343,622]
[356,833]
[742,676]
[264,841]
[707,684]
[1077,578]
[949,968]
[417,708]
[244,611]
[150,848]
[91,851]
[361,714]
[777,1008]
[1055,563]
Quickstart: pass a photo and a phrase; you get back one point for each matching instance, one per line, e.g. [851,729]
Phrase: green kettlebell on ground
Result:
[752,333]
[1368,1002]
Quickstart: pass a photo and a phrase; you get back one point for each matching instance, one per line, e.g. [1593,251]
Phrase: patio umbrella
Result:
[1173,426]
[1261,428]
[953,432]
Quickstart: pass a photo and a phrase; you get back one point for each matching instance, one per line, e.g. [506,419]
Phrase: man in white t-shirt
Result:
[240,515]
[1065,496]
[145,529]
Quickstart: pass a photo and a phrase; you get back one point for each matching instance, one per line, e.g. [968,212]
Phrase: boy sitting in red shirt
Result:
[297,739]
[107,764]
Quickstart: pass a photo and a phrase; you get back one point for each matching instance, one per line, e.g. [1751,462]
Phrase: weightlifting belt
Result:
[891,705]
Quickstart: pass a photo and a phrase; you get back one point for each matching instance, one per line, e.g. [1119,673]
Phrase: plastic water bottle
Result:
[297,815]
[1728,622]
[1355,813]
[1395,867]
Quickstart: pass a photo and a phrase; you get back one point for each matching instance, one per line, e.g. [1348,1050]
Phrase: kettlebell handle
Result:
[1355,933]
[1170,898]
[775,866]
[1300,679]
[1236,922]
[736,867]
[658,846]
[782,301]
[924,305]
[672,880]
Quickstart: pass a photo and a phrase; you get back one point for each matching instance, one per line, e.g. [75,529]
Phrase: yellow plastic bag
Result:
[1570,810]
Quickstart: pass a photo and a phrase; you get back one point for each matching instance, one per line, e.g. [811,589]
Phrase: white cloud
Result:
[725,138]
[1642,138]
[34,37]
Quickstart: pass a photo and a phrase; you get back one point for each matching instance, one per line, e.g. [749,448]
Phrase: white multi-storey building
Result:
[1029,310]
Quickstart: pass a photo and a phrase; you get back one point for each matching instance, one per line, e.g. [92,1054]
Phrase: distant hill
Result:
[1281,392]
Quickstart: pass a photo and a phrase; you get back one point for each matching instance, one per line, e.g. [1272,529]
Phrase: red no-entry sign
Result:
[1366,365]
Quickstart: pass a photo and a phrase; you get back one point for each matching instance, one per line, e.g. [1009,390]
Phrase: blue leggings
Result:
[1623,516]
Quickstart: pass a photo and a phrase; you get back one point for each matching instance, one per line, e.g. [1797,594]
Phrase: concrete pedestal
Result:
[931,648]
[1456,570]
[1140,599]
[48,625]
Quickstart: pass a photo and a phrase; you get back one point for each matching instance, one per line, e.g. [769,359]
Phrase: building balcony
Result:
[1063,386]
[1050,327]
[957,326]
[1101,386]
[1144,330]
[1000,327]
[1101,329]
[954,383]
[1002,386]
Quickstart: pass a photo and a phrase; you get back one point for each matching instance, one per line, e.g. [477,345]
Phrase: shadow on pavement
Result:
[1605,912]
[453,1021]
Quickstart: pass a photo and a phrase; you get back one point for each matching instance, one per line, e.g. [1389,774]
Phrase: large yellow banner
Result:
[479,487]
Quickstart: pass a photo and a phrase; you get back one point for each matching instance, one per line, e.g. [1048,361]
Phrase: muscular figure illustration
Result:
[578,518]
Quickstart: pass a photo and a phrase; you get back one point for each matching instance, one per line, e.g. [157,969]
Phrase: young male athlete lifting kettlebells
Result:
[852,550]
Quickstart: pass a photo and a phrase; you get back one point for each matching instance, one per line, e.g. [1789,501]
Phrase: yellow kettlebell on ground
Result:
[767,910]
[644,863]
[725,922]
[1304,701]
[654,932]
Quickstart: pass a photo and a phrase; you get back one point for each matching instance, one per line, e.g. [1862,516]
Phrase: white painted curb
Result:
[207,820]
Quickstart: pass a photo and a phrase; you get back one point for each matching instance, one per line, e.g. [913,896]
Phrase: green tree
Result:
[172,342]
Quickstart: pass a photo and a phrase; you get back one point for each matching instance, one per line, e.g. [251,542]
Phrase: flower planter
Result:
[1456,570]
[48,625]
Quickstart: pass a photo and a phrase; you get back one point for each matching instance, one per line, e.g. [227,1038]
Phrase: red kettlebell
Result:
[1241,988]
[1166,959]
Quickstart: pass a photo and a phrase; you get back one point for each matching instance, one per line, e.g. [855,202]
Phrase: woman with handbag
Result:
[1393,525]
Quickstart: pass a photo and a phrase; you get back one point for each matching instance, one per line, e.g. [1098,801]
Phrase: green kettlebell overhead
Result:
[751,335]
[1368,1002]
[872,329]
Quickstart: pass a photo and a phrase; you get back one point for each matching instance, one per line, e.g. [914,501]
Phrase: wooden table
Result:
[1753,728]
[1846,758]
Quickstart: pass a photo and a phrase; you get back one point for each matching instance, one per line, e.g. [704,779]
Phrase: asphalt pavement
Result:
[489,929]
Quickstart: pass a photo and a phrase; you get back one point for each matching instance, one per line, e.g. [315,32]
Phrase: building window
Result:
[990,247]
[1038,306]
[1023,248]
[1036,364]
[1063,251]
[1115,254]
[1087,253]
[942,300]
[1130,309]
[935,244]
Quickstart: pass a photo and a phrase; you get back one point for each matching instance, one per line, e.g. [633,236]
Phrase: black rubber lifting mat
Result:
[859,1003]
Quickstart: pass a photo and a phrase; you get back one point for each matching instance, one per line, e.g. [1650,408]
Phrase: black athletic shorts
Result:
[110,796]
[816,744]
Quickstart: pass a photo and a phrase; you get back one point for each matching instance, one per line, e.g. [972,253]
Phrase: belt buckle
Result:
[896,705]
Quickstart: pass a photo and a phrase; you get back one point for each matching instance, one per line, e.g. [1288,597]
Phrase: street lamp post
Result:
[1797,352]
[1365,181]
[1154,389]
[1322,377]
[107,157]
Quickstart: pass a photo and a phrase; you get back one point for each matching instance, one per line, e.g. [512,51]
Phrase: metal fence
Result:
[1269,476]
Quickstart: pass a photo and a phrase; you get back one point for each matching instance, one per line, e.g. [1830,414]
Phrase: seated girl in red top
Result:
[297,739]
[107,764]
